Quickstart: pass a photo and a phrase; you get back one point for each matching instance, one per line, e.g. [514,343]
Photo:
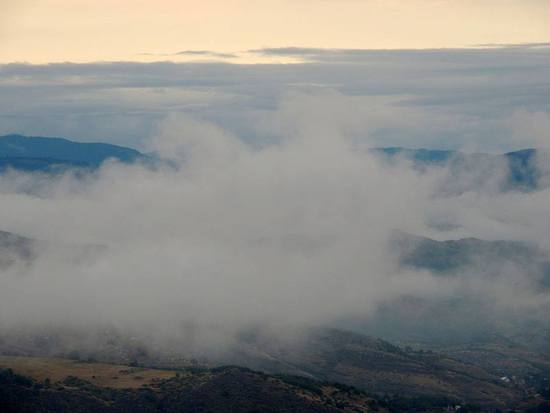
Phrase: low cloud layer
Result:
[236,235]
[292,232]
[475,99]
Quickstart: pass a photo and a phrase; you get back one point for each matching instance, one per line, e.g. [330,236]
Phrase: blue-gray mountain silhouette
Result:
[520,167]
[54,154]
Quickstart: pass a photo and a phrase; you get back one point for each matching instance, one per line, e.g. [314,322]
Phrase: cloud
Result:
[206,53]
[293,232]
[532,127]
[236,236]
[539,45]
[431,98]
[482,51]
[197,53]
[310,54]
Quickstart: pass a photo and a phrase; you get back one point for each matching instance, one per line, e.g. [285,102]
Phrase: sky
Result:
[42,31]
[446,74]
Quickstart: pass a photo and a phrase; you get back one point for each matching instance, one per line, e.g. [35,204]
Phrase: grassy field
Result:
[104,375]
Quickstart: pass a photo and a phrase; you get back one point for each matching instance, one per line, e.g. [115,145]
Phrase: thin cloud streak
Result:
[196,53]
[540,45]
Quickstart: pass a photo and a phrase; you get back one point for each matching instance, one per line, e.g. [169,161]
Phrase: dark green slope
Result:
[223,390]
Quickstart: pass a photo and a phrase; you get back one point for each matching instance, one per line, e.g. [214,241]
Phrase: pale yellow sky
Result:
[39,31]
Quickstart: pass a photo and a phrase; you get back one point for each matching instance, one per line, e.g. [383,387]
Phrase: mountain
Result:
[46,165]
[15,248]
[511,171]
[455,354]
[466,254]
[419,156]
[56,154]
[518,170]
[456,328]
[55,385]
[381,369]
[377,367]
[467,317]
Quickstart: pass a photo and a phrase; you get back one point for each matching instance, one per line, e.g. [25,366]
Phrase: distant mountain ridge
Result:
[52,154]
[521,168]
[442,156]
[15,248]
[451,256]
